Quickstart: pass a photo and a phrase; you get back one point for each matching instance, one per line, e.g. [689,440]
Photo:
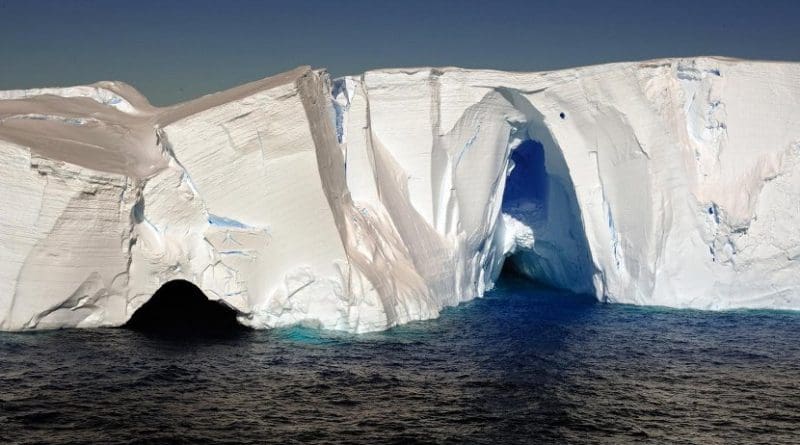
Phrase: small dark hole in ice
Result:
[711,210]
[563,116]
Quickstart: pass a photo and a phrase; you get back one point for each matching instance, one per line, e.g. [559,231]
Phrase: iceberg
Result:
[369,201]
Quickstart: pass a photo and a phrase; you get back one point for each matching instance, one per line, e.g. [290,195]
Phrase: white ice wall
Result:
[63,236]
[375,200]
[645,150]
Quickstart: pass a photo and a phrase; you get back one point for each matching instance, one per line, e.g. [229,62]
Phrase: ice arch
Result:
[180,306]
[540,208]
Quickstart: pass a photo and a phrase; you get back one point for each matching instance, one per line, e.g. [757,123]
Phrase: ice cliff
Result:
[365,202]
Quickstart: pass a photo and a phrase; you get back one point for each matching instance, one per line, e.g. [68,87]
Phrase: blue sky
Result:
[175,50]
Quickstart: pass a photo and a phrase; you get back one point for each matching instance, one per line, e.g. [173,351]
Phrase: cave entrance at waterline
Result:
[180,307]
[541,209]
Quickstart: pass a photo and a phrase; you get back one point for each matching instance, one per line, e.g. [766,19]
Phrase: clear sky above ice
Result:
[175,50]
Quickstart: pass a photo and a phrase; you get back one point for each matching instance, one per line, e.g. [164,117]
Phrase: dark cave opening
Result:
[539,197]
[525,195]
[526,186]
[180,307]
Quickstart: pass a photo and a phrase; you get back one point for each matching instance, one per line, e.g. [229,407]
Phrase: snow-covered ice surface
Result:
[365,202]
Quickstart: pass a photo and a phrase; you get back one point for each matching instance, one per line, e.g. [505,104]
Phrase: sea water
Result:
[522,365]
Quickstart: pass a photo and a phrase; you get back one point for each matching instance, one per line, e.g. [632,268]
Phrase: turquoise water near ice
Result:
[522,365]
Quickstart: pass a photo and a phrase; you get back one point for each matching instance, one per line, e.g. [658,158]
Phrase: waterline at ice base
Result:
[365,202]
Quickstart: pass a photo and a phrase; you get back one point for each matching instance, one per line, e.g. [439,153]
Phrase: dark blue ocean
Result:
[523,365]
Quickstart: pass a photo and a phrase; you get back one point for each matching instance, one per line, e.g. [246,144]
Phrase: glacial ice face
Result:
[365,202]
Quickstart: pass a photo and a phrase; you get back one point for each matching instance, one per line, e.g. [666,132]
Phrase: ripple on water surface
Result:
[519,366]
